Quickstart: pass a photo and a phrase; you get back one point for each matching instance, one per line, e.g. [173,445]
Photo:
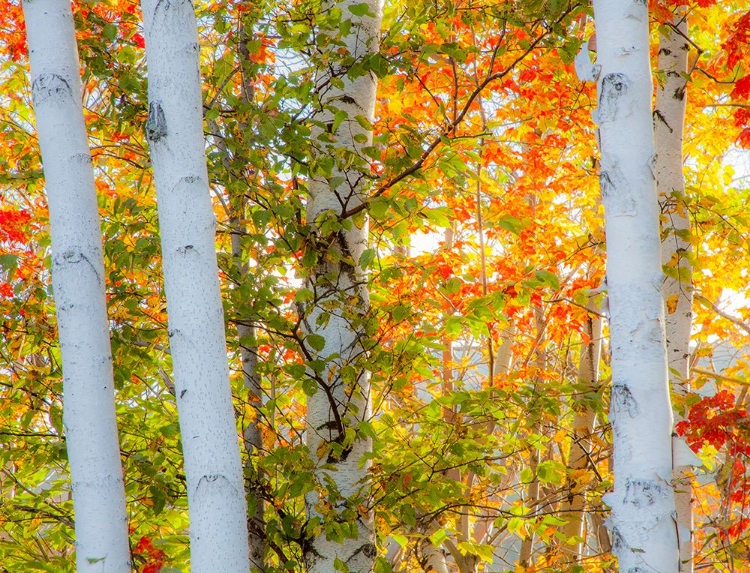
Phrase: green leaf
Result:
[159,498]
[510,223]
[368,256]
[527,475]
[9,263]
[516,526]
[378,208]
[309,387]
[304,295]
[315,341]
[400,539]
[110,31]
[361,9]
[438,537]
[440,216]
[548,278]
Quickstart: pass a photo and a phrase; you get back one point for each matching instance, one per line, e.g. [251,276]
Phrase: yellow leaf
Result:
[671,304]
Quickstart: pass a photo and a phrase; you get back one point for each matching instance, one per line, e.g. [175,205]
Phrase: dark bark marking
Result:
[614,88]
[615,193]
[660,116]
[74,256]
[156,124]
[368,550]
[50,86]
[618,541]
[82,158]
[167,4]
[642,493]
[679,93]
[622,399]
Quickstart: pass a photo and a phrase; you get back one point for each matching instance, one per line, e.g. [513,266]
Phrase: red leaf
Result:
[742,88]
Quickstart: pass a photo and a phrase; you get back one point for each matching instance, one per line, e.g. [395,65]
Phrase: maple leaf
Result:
[12,225]
[736,45]
[741,88]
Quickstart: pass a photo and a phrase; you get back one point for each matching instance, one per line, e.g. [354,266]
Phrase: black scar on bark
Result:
[50,86]
[622,399]
[679,93]
[75,255]
[156,124]
[615,191]
[618,542]
[660,116]
[642,493]
[614,87]
[607,183]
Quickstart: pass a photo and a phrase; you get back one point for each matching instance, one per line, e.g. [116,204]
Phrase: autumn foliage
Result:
[486,257]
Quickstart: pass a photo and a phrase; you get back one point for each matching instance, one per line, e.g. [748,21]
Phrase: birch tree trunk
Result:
[216,493]
[669,120]
[572,507]
[101,522]
[531,500]
[333,321]
[642,503]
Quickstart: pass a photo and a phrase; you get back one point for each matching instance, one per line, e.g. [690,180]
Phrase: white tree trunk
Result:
[669,121]
[210,441]
[642,522]
[78,279]
[340,297]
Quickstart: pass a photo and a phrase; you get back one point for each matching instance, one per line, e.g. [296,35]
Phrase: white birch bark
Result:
[101,525]
[340,294]
[669,120]
[210,441]
[642,522]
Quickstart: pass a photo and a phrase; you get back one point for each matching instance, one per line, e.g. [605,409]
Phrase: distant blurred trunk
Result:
[669,123]
[572,507]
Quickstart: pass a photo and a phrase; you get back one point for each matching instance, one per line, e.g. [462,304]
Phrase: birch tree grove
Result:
[216,491]
[642,502]
[387,247]
[78,277]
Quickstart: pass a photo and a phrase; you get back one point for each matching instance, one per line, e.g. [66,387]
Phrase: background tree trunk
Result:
[101,522]
[333,322]
[642,503]
[579,456]
[669,122]
[216,493]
